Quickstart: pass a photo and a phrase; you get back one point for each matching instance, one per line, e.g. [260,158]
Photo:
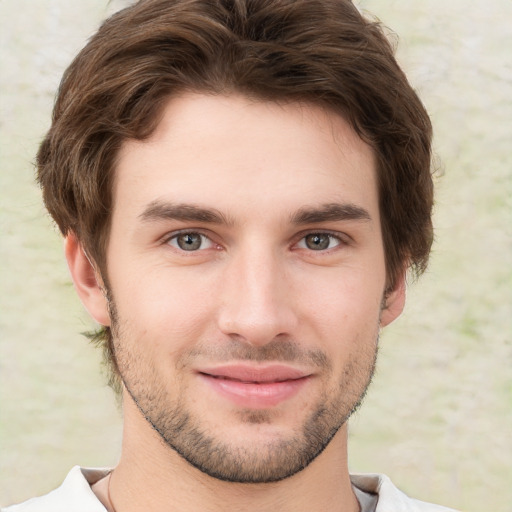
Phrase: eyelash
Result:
[341,238]
[174,236]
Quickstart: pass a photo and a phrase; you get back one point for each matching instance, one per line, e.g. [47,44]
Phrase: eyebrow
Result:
[157,210]
[330,212]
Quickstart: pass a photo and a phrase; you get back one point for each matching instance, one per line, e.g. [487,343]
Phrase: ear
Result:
[87,281]
[394,301]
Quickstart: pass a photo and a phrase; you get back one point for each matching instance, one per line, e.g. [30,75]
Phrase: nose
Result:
[257,299]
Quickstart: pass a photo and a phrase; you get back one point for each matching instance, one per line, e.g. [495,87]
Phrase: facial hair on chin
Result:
[185,433]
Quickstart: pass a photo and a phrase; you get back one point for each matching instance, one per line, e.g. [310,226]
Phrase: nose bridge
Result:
[256,305]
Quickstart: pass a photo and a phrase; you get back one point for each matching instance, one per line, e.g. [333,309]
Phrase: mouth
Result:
[255,387]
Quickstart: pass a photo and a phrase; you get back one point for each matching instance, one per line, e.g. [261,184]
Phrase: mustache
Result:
[276,350]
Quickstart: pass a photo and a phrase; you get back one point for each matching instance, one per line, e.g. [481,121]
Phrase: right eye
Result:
[190,241]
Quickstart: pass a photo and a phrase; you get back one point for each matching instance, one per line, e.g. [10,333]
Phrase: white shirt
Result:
[375,493]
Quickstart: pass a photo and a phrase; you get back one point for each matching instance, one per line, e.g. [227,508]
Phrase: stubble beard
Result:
[186,434]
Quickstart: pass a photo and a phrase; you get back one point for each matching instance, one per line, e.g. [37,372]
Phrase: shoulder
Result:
[390,497]
[74,495]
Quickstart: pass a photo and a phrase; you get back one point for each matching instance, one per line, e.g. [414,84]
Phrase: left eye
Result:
[190,242]
[319,242]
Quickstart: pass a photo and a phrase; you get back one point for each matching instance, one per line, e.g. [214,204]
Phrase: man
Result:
[243,186]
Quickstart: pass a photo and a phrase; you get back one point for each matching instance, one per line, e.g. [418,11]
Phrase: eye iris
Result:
[189,241]
[317,242]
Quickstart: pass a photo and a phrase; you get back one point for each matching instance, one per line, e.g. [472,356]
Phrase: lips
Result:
[245,373]
[255,387]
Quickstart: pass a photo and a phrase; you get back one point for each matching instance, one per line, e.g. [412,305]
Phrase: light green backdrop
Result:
[438,419]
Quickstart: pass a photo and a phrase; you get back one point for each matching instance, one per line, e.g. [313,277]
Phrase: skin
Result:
[260,181]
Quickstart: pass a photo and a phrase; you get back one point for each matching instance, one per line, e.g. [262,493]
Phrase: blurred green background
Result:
[438,418]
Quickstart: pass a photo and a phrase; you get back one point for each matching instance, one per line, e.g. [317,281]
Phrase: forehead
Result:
[241,154]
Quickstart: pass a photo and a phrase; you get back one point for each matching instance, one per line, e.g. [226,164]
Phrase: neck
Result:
[151,476]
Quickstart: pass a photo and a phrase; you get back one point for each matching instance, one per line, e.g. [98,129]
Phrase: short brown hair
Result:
[319,51]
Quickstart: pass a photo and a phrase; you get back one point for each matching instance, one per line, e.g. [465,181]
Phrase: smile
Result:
[255,388]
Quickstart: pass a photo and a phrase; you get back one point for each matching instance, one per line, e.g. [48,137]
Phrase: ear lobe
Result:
[87,281]
[394,302]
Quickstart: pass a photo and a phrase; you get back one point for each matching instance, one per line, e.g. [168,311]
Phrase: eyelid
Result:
[343,238]
[192,231]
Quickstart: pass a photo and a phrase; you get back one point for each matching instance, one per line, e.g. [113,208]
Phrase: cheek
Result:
[345,312]
[349,292]
[163,307]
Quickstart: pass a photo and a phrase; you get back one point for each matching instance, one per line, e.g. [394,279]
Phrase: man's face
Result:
[246,271]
